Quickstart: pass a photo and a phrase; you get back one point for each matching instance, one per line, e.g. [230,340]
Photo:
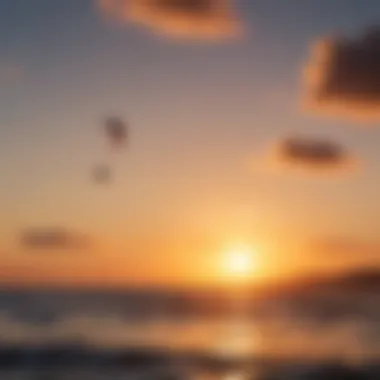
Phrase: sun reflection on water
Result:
[236,376]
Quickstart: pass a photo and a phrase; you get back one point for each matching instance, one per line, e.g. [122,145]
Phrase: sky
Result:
[201,114]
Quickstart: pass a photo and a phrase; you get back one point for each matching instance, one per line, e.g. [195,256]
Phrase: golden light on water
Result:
[236,376]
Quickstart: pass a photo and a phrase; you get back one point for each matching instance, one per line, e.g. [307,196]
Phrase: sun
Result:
[239,261]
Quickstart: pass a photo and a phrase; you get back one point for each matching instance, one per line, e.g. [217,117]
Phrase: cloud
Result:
[342,77]
[53,238]
[309,155]
[187,19]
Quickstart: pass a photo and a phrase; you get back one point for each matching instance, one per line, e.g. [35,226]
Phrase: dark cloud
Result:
[199,19]
[52,238]
[342,77]
[311,154]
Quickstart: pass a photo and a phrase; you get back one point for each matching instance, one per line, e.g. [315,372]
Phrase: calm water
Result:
[151,334]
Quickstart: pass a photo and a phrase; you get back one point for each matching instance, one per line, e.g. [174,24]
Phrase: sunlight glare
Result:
[239,261]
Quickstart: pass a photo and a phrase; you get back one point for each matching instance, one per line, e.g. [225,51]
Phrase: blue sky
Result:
[197,111]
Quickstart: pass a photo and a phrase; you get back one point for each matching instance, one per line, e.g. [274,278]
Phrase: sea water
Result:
[159,335]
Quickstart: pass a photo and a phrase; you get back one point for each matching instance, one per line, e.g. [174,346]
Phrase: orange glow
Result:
[239,262]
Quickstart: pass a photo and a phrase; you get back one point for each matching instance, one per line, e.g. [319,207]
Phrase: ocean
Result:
[136,334]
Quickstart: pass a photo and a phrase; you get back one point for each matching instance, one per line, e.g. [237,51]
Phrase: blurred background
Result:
[189,189]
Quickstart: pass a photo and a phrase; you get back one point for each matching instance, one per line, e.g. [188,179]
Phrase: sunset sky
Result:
[204,107]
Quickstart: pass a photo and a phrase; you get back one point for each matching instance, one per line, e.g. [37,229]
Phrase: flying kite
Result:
[116,131]
[116,134]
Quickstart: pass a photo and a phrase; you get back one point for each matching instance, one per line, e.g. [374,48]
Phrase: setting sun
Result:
[239,261]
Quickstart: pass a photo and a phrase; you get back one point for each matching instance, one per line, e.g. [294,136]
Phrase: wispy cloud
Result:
[342,77]
[188,19]
[308,156]
[53,238]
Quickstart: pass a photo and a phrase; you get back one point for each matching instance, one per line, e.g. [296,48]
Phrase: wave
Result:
[124,332]
[73,357]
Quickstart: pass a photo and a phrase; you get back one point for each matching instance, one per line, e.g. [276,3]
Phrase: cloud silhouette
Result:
[342,77]
[53,238]
[310,155]
[188,19]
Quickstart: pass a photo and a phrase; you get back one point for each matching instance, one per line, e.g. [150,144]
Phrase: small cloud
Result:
[186,19]
[310,156]
[52,238]
[342,77]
